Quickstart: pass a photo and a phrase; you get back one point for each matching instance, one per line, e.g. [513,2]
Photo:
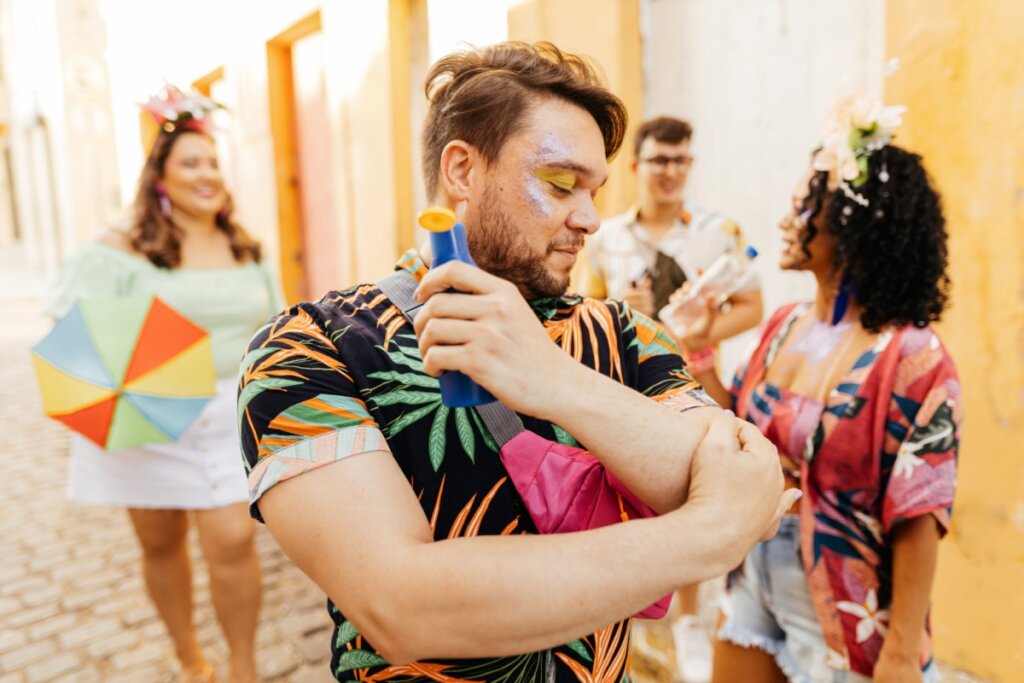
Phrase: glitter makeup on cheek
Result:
[538,192]
[538,196]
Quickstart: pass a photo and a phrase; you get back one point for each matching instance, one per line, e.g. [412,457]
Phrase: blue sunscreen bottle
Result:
[448,243]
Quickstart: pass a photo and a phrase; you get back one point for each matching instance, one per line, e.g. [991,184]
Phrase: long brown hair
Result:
[157,237]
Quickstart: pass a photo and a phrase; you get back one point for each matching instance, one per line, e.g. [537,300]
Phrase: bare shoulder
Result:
[116,238]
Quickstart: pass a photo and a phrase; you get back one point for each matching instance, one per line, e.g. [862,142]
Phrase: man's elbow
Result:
[395,649]
[389,623]
[386,627]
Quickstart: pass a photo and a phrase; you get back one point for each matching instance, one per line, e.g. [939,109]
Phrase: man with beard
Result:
[400,508]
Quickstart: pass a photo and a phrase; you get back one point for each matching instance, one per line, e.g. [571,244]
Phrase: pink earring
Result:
[165,202]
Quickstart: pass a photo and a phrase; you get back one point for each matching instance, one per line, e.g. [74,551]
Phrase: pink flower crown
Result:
[173,109]
[857,126]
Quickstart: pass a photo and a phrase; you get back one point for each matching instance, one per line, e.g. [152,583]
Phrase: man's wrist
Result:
[714,553]
[562,389]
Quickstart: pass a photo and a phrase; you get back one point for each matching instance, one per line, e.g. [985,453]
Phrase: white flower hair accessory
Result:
[857,126]
[171,108]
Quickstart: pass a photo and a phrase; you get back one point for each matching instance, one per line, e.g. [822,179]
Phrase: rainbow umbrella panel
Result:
[125,372]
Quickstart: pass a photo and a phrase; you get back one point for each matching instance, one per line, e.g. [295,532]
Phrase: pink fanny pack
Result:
[563,488]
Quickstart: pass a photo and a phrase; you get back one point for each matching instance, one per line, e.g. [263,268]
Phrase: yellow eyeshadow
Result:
[561,179]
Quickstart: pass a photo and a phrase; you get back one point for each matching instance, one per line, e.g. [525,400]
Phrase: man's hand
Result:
[640,297]
[736,475]
[487,330]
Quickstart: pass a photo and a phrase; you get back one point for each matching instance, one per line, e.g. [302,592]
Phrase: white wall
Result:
[36,104]
[146,45]
[756,78]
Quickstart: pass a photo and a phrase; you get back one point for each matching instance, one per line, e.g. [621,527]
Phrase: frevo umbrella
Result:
[125,372]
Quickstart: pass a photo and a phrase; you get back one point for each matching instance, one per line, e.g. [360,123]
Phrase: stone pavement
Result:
[72,605]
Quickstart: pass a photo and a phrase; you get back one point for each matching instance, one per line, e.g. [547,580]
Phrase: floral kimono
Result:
[880,450]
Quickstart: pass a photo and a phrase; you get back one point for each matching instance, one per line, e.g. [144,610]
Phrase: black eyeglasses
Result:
[660,163]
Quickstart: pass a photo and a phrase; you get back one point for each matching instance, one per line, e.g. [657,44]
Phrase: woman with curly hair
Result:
[183,245]
[862,401]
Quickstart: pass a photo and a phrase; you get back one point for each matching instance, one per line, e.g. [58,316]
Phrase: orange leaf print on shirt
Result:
[590,325]
[429,670]
[610,652]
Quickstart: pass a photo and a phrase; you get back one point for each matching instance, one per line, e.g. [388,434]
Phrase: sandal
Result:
[207,675]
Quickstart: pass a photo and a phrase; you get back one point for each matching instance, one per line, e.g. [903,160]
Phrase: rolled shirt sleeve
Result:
[925,416]
[298,407]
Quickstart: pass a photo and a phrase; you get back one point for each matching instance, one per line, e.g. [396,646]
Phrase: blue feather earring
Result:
[842,302]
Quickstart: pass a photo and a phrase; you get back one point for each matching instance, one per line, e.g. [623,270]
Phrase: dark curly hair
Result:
[892,252]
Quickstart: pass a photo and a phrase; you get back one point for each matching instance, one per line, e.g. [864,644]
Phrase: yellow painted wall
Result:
[962,77]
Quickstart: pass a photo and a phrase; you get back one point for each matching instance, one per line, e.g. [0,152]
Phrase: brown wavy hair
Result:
[481,96]
[155,236]
[663,129]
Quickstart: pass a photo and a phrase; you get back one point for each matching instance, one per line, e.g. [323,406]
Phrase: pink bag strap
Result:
[502,422]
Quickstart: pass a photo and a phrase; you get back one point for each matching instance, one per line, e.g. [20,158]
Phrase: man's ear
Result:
[460,163]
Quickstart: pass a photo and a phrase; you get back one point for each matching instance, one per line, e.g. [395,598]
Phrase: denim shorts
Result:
[769,607]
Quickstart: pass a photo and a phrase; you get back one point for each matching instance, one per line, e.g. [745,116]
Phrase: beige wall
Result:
[962,77]
[88,129]
[56,105]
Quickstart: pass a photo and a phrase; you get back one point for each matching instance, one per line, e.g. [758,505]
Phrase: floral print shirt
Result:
[327,380]
[880,450]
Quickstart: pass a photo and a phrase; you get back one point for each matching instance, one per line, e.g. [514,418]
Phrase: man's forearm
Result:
[513,599]
[915,549]
[646,445]
[359,531]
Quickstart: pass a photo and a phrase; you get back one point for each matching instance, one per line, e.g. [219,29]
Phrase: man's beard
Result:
[499,248]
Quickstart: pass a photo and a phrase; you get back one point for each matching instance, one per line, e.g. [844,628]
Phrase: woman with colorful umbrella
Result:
[182,246]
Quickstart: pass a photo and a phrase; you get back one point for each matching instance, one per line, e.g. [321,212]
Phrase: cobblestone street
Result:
[72,605]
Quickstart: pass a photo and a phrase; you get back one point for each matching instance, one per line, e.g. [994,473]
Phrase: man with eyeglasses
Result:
[642,257]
